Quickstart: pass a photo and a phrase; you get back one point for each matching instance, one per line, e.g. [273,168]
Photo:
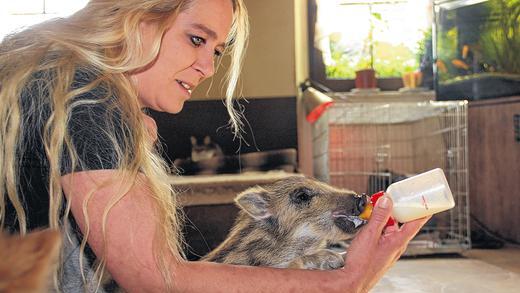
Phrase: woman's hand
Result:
[376,248]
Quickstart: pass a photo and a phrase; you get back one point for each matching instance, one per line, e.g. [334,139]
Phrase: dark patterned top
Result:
[89,126]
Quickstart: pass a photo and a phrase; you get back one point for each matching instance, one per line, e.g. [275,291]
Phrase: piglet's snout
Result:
[359,204]
[351,205]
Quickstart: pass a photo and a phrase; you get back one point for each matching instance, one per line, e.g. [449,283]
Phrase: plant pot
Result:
[366,79]
[412,80]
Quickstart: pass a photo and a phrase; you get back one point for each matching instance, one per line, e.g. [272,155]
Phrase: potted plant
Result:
[366,77]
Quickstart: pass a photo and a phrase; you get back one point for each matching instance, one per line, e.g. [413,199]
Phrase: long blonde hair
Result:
[103,38]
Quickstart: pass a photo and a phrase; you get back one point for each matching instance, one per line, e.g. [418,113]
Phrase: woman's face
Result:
[186,57]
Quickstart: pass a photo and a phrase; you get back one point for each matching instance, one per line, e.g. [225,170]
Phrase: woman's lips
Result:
[185,86]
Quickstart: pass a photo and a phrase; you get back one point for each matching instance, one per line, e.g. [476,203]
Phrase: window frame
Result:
[317,67]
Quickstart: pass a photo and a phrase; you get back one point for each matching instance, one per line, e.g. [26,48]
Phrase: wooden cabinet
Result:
[494,164]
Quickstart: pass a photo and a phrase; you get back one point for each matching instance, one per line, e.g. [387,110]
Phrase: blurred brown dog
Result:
[27,262]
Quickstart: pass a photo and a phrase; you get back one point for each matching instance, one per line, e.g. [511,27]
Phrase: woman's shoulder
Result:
[89,83]
[84,81]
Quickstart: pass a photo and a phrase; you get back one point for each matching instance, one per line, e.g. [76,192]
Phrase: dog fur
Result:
[27,262]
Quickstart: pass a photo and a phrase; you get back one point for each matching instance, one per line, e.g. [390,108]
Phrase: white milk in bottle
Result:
[420,195]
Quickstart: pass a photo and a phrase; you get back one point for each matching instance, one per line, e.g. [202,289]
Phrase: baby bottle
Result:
[415,197]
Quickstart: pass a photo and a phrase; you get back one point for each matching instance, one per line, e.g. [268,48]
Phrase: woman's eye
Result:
[197,41]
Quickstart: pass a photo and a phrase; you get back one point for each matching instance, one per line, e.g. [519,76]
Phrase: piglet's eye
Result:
[301,196]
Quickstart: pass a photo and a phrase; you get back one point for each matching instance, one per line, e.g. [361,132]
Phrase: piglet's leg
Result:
[323,259]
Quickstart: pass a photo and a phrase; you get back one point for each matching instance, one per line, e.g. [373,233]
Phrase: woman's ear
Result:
[148,31]
[255,202]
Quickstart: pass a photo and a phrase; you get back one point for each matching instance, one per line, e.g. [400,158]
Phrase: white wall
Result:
[269,66]
[16,14]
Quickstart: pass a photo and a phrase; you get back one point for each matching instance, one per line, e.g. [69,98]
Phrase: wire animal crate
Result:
[367,146]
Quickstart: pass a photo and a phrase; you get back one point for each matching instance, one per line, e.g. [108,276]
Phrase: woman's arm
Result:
[130,228]
[369,257]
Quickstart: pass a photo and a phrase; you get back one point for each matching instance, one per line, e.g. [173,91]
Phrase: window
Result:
[389,36]
[17,14]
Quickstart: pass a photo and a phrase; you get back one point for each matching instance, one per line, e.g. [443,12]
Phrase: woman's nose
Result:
[205,63]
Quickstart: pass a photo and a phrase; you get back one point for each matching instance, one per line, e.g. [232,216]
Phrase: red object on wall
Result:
[316,112]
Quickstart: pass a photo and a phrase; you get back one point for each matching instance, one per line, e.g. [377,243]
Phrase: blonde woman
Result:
[78,155]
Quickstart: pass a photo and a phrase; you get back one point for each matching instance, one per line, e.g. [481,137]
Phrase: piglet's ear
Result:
[254,202]
[193,140]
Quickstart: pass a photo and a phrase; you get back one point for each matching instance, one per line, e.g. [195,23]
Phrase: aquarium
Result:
[476,49]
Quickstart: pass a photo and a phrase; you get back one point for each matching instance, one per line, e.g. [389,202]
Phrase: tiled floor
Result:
[477,270]
[507,258]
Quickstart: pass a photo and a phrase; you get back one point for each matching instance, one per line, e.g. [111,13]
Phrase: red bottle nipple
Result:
[373,199]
